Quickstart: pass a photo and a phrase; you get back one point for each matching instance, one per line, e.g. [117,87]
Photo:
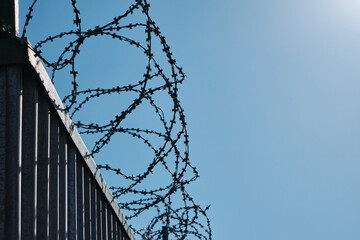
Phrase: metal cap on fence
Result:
[11,47]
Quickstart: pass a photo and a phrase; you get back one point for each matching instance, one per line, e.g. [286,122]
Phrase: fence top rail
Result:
[39,68]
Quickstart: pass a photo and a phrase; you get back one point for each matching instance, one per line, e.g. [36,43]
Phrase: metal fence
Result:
[50,188]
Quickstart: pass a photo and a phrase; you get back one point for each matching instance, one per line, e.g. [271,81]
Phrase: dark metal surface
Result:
[2,149]
[54,179]
[13,151]
[72,216]
[43,169]
[12,49]
[8,15]
[29,159]
[93,209]
[62,187]
[80,200]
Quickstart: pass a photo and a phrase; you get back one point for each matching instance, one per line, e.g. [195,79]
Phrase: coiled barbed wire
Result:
[175,212]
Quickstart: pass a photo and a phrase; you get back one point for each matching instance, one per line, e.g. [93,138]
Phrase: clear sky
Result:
[272,101]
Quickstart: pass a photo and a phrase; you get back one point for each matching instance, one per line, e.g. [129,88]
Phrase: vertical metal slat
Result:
[54,179]
[13,151]
[2,149]
[109,225]
[29,160]
[80,199]
[62,186]
[43,170]
[93,210]
[113,228]
[120,229]
[99,214]
[72,216]
[87,204]
[104,219]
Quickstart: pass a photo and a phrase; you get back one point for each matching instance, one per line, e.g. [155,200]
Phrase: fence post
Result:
[9,14]
[2,149]
[11,71]
[165,233]
[11,51]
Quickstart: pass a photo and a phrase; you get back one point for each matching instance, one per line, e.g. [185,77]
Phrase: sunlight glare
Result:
[346,10]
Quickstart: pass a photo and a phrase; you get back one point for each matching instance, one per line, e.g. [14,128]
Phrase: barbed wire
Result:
[176,212]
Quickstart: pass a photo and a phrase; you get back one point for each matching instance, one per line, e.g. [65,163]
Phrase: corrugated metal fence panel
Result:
[77,141]
[50,188]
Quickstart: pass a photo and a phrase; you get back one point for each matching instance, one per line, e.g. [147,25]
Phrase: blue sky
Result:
[272,101]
